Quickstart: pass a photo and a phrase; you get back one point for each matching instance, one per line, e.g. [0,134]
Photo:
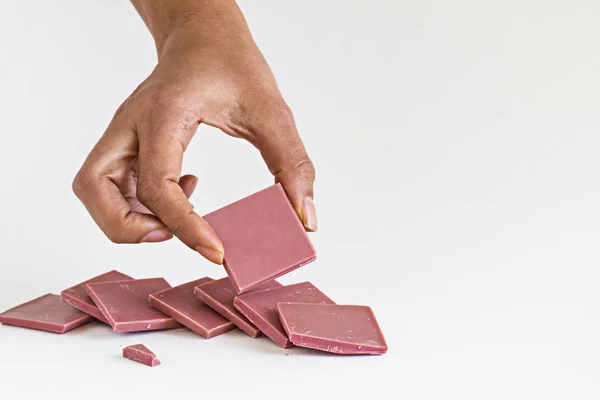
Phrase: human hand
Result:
[208,72]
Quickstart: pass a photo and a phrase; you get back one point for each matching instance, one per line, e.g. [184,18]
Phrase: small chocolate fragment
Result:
[141,354]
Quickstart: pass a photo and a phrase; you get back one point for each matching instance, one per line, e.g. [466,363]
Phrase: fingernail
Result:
[210,254]
[309,214]
[194,183]
[157,235]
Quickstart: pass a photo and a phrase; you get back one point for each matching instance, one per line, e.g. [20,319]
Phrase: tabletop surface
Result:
[456,146]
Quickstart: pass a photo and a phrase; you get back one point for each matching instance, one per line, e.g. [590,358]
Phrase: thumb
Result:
[298,182]
[272,130]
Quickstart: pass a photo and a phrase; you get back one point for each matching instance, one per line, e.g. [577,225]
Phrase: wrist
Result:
[181,24]
[202,36]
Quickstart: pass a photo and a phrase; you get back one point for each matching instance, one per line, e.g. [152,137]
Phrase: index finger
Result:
[160,159]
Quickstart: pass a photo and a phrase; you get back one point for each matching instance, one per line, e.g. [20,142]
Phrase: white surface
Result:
[456,148]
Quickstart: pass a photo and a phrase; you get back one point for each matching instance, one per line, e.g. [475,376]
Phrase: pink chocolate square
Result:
[263,238]
[219,296]
[77,297]
[126,307]
[180,303]
[339,329]
[261,307]
[46,313]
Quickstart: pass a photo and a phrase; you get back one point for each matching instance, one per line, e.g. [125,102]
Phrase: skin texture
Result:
[209,71]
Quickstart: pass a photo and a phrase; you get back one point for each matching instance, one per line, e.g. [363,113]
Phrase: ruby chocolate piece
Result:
[261,307]
[77,297]
[219,296]
[140,353]
[46,313]
[125,304]
[263,238]
[340,329]
[180,303]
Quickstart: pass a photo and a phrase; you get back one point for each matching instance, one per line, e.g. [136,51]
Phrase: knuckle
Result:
[179,223]
[80,183]
[125,109]
[120,110]
[306,170]
[282,112]
[118,230]
[277,110]
[116,237]
[148,191]
[112,236]
[147,93]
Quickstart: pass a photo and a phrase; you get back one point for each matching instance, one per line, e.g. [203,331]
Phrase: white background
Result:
[456,149]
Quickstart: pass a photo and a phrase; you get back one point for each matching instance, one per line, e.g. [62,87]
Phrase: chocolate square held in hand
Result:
[77,297]
[263,238]
[126,307]
[46,313]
